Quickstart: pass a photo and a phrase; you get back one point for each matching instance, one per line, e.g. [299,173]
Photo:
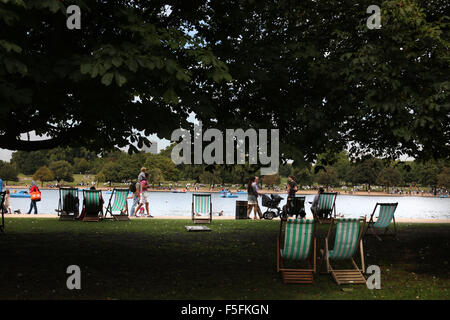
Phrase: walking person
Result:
[292,188]
[142,175]
[143,200]
[7,202]
[135,188]
[252,198]
[33,188]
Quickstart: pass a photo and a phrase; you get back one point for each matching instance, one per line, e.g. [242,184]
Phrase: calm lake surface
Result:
[179,204]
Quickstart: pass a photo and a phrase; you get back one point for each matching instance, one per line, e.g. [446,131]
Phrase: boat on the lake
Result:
[229,195]
[19,194]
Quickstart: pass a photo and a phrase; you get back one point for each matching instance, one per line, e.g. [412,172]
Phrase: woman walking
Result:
[252,191]
[7,203]
[33,188]
[143,197]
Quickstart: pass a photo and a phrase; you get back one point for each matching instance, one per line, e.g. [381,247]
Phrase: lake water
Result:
[179,204]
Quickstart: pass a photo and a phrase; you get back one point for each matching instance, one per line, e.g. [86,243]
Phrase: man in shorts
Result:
[143,198]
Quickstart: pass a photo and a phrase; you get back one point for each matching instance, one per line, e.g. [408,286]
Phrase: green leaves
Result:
[170,96]
[85,68]
[10,47]
[120,79]
[107,78]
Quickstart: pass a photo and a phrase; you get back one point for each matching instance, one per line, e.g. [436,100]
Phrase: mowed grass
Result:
[159,259]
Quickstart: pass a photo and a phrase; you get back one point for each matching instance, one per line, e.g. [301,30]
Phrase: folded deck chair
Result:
[347,239]
[68,205]
[299,245]
[120,205]
[201,208]
[326,208]
[92,205]
[2,201]
[385,216]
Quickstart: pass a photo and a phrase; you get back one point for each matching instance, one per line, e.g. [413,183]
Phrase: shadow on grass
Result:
[159,259]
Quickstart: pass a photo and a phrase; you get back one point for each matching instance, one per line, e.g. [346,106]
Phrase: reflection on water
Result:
[179,204]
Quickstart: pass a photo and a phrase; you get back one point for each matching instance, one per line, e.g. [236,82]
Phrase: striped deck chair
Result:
[299,245]
[326,208]
[201,208]
[2,201]
[385,216]
[92,205]
[120,204]
[68,205]
[347,239]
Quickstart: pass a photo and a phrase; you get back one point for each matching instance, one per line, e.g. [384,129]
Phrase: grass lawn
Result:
[158,259]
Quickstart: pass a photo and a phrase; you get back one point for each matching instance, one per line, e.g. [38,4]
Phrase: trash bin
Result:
[241,209]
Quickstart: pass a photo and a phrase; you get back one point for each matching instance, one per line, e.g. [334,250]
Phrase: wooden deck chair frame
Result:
[202,219]
[333,208]
[298,275]
[385,221]
[346,276]
[66,215]
[2,201]
[114,207]
[93,216]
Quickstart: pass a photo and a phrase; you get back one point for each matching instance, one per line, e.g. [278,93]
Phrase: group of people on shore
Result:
[7,201]
[292,188]
[253,193]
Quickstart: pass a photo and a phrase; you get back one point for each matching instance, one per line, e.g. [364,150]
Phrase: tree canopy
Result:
[312,69]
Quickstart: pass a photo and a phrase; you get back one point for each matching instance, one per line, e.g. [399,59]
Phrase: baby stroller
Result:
[296,207]
[272,203]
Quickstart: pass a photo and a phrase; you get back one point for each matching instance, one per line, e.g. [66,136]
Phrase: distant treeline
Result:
[330,169]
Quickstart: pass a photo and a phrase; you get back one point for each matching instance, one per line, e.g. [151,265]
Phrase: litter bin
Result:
[241,209]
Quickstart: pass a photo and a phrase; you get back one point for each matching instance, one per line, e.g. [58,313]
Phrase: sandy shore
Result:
[53,216]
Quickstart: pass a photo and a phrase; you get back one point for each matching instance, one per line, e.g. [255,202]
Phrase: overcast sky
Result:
[5,154]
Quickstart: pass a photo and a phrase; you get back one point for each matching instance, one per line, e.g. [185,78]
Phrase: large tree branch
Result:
[13,143]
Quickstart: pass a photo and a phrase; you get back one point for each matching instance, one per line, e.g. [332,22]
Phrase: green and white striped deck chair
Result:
[68,205]
[201,208]
[347,239]
[92,205]
[120,205]
[299,245]
[2,201]
[326,208]
[385,216]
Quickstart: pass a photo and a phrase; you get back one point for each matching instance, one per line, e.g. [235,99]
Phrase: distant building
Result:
[152,149]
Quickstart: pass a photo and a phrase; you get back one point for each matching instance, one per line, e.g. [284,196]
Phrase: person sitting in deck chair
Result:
[70,198]
[315,203]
